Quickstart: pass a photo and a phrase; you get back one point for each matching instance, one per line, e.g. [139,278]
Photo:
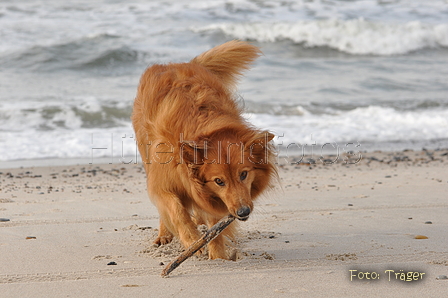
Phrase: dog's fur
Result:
[202,159]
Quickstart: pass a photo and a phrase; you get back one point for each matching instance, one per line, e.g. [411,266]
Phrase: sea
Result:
[335,74]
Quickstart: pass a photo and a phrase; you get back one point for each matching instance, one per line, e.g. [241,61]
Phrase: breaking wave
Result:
[356,36]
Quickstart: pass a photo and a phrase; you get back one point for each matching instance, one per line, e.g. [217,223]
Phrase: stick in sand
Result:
[211,234]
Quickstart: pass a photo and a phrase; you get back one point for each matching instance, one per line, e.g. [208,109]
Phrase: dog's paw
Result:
[200,253]
[161,240]
[214,254]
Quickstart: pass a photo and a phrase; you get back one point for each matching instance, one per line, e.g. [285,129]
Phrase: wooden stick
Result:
[211,234]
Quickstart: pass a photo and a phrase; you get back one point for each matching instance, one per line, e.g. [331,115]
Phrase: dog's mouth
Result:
[243,218]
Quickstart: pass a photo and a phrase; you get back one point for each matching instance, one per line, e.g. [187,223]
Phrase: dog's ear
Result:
[263,137]
[260,149]
[229,60]
[192,152]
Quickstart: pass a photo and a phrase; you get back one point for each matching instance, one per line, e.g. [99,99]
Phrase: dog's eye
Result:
[243,175]
[219,182]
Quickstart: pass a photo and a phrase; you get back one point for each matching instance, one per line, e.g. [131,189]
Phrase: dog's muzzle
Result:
[243,213]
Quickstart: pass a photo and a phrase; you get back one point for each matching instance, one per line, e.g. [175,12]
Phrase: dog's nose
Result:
[243,212]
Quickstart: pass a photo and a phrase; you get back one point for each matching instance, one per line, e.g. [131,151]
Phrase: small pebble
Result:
[30,237]
[286,241]
[442,277]
[420,237]
[350,204]
[4,219]
[112,263]
[428,222]
[161,264]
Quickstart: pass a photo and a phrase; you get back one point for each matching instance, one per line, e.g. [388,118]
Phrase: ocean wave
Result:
[49,115]
[101,52]
[73,131]
[90,112]
[364,124]
[357,36]
[337,107]
[84,143]
[274,109]
[109,58]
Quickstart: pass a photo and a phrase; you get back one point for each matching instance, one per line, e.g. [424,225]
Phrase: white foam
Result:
[357,36]
[368,124]
[47,114]
[371,124]
[86,143]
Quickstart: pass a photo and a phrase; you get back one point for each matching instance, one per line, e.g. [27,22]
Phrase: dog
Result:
[202,159]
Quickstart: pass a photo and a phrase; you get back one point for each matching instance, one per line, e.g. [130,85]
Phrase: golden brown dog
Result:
[202,159]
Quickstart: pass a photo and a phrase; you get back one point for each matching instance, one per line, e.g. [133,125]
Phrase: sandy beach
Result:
[345,230]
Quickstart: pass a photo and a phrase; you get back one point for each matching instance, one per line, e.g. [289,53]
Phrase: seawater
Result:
[373,73]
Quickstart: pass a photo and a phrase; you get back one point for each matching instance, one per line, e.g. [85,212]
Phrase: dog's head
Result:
[230,170]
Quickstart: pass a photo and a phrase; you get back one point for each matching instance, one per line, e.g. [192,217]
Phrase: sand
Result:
[87,231]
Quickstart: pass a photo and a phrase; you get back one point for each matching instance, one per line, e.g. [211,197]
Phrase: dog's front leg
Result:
[175,220]
[218,247]
[165,236]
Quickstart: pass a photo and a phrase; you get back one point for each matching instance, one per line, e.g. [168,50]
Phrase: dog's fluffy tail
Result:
[229,60]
